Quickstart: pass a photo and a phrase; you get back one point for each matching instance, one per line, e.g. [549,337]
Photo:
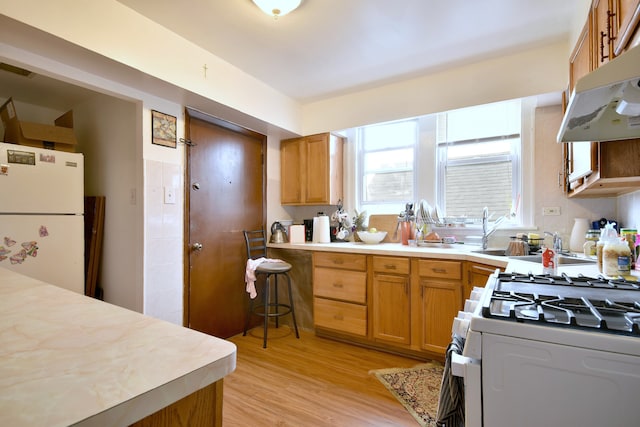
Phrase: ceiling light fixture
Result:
[277,8]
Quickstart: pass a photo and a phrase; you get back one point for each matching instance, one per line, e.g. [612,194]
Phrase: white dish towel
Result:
[250,274]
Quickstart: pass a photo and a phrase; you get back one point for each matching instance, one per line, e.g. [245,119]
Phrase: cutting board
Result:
[386,223]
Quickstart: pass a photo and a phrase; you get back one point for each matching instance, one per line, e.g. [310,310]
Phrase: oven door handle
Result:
[469,370]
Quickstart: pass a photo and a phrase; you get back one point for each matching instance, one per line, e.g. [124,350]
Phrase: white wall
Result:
[548,162]
[114,31]
[629,210]
[532,72]
[106,131]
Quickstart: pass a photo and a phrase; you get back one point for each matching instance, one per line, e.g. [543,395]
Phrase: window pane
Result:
[388,153]
[483,121]
[478,149]
[388,160]
[390,135]
[471,187]
[388,186]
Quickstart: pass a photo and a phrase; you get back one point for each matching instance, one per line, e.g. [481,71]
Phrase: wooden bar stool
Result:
[256,243]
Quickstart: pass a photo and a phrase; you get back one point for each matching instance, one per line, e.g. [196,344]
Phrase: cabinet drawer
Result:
[340,260]
[394,265]
[440,269]
[340,316]
[340,284]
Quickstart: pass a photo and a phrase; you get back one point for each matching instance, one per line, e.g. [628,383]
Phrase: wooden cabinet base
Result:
[201,408]
[418,354]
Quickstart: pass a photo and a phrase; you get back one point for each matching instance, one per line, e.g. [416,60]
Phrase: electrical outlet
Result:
[546,211]
[169,196]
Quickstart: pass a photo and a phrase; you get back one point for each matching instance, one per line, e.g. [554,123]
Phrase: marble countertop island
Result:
[66,359]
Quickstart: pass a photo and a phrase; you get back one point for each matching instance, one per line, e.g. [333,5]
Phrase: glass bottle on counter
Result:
[591,241]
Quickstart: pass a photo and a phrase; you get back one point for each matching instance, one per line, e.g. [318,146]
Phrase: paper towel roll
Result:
[321,229]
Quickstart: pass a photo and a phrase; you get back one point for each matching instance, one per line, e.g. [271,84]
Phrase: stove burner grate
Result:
[602,315]
[600,282]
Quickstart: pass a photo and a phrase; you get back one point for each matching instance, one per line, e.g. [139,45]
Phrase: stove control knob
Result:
[460,326]
[476,293]
[470,306]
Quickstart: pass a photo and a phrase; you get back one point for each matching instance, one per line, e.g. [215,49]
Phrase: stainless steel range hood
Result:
[605,104]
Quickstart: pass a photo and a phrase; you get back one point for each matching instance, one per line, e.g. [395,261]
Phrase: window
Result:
[460,160]
[387,162]
[478,151]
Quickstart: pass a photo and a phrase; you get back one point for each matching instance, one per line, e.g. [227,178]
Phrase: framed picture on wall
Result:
[163,127]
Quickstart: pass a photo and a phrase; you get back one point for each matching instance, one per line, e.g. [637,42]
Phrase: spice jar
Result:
[616,258]
[591,241]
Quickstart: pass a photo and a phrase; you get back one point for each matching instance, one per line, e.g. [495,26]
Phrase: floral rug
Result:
[417,388]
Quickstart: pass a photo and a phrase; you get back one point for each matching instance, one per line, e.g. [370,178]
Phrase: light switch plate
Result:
[169,196]
[547,211]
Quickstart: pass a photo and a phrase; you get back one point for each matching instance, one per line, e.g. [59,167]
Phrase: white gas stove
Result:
[551,350]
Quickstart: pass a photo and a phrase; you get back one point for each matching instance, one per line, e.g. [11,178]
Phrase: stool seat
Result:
[270,307]
[273,267]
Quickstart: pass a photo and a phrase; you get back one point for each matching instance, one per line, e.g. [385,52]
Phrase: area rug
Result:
[417,388]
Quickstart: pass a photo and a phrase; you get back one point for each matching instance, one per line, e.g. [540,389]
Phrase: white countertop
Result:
[66,359]
[463,252]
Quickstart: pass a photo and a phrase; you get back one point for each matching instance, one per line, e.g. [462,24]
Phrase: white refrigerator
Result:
[41,214]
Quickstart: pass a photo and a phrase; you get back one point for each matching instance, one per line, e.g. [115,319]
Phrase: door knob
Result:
[196,186]
[196,247]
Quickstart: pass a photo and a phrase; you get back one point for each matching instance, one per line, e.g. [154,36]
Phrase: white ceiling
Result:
[331,47]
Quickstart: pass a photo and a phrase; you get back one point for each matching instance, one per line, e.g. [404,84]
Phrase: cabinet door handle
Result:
[390,266]
[602,55]
[439,270]
[338,285]
[338,261]
[338,317]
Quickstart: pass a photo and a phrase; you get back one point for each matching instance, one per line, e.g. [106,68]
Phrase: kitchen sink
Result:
[494,252]
[562,260]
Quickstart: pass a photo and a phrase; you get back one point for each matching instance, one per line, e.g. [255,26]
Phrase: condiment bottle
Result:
[607,234]
[629,235]
[616,258]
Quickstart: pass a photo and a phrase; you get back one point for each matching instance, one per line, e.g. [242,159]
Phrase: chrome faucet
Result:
[557,241]
[486,231]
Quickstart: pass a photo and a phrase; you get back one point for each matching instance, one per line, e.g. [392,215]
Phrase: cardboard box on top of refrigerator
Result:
[57,137]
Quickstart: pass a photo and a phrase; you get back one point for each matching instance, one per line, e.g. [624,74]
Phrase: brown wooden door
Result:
[226,180]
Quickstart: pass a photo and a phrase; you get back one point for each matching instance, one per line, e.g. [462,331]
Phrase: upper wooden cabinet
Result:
[597,169]
[311,170]
[626,20]
[614,24]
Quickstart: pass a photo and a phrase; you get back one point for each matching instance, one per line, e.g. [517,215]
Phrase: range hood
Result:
[605,104]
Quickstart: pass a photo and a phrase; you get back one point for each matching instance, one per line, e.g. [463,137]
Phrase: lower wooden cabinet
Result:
[340,292]
[405,305]
[440,301]
[391,300]
[340,316]
[477,276]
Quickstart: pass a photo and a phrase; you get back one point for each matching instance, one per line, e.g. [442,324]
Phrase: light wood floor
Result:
[309,382]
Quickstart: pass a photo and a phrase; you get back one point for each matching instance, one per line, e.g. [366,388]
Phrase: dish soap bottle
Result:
[549,261]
